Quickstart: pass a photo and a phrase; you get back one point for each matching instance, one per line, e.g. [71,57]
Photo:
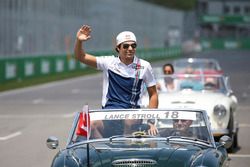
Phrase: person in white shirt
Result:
[166,84]
[124,76]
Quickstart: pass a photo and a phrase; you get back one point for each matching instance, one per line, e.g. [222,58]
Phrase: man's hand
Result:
[153,131]
[83,33]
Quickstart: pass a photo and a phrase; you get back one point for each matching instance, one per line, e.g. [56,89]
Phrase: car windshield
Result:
[195,82]
[137,122]
[184,65]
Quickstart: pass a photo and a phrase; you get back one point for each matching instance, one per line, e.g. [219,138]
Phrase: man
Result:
[124,76]
[181,127]
[211,83]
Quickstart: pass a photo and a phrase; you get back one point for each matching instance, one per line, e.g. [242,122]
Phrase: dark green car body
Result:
[141,150]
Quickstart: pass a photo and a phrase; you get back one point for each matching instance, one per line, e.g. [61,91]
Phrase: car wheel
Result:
[233,135]
[235,140]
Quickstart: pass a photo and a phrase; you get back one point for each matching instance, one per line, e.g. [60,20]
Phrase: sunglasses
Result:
[126,46]
[179,120]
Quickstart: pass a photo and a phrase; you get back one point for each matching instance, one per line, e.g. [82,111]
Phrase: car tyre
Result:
[232,134]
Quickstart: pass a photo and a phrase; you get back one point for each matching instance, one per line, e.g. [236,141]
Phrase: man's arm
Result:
[153,97]
[82,35]
[153,103]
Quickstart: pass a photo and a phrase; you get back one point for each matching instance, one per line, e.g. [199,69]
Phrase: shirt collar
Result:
[135,61]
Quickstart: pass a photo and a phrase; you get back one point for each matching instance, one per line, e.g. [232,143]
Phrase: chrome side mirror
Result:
[52,142]
[226,141]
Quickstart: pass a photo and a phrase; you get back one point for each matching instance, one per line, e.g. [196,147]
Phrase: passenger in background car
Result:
[168,83]
[168,69]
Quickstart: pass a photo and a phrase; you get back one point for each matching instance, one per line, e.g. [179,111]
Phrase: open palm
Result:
[84,33]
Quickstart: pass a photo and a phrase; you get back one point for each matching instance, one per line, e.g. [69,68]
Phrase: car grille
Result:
[134,163]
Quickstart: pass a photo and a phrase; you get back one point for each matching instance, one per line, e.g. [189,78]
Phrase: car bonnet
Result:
[153,151]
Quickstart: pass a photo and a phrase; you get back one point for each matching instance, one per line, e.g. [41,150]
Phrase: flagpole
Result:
[87,120]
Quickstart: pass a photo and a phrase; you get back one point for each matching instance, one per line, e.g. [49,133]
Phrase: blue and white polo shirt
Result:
[123,85]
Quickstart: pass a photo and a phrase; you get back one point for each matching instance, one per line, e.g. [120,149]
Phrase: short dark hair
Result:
[118,46]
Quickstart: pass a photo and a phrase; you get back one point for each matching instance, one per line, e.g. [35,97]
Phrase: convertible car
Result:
[210,92]
[184,138]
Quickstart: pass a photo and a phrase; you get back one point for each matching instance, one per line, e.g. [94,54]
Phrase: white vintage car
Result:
[210,92]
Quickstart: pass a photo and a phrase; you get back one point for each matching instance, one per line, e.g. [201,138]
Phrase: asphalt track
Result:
[28,116]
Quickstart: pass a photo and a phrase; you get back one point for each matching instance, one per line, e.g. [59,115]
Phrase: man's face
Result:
[181,125]
[127,50]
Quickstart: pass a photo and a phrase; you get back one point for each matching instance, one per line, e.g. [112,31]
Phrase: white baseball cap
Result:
[125,36]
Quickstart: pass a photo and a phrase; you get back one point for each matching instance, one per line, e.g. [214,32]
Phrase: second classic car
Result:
[210,92]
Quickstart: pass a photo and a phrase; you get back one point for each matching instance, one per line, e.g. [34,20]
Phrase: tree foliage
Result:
[175,4]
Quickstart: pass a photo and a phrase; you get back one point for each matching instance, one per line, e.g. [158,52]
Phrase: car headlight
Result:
[220,111]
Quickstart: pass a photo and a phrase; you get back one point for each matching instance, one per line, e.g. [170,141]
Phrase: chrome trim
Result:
[209,128]
[134,163]
[73,129]
[220,132]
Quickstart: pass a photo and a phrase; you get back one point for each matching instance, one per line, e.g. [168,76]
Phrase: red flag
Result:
[83,128]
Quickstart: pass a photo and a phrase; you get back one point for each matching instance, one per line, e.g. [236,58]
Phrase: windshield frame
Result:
[142,138]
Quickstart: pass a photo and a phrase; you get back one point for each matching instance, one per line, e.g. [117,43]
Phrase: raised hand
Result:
[83,33]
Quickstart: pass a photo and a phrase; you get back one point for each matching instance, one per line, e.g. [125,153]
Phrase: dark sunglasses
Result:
[126,46]
[181,120]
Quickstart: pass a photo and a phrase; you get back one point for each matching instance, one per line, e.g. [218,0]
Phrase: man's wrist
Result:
[151,121]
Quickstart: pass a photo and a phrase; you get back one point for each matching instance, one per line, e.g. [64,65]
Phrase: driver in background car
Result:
[211,83]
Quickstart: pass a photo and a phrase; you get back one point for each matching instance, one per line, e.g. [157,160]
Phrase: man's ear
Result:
[190,122]
[117,49]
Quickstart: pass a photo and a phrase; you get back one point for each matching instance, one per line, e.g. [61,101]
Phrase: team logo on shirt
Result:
[137,67]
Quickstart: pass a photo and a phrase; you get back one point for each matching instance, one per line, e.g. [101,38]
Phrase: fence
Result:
[21,68]
[225,43]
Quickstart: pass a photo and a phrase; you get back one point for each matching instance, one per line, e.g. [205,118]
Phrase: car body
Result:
[206,65]
[210,92]
[137,147]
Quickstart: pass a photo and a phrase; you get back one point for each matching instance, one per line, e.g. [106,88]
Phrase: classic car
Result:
[135,147]
[195,65]
[210,92]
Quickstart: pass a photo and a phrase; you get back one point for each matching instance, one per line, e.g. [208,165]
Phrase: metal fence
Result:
[48,27]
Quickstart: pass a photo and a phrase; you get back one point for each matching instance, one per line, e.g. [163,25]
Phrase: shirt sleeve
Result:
[103,61]
[149,76]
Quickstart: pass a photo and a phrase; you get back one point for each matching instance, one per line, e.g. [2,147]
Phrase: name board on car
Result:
[122,115]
